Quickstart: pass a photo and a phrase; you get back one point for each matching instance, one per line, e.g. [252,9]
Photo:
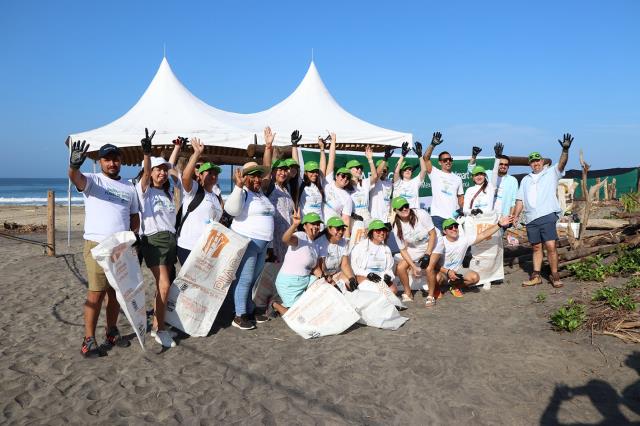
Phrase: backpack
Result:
[191,207]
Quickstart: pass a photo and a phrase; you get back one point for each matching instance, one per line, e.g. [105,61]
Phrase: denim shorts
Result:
[543,229]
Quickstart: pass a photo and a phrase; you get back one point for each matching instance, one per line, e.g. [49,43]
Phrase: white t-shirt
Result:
[360,197]
[368,257]
[311,200]
[380,201]
[157,210]
[301,259]
[108,206]
[409,190]
[337,201]
[483,201]
[416,238]
[453,252]
[445,188]
[208,210]
[332,253]
[256,219]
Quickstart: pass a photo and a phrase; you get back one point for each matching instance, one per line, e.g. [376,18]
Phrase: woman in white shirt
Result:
[416,237]
[361,187]
[478,199]
[403,184]
[337,200]
[311,184]
[371,258]
[334,254]
[300,267]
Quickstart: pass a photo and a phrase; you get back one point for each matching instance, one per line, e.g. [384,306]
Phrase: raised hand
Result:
[237,178]
[388,152]
[295,217]
[498,148]
[331,138]
[417,148]
[295,138]
[268,136]
[374,278]
[368,152]
[198,147]
[78,154]
[146,141]
[437,139]
[566,142]
[405,149]
[320,143]
[475,151]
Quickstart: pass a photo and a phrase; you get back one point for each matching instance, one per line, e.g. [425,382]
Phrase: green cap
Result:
[448,222]
[376,224]
[311,166]
[406,165]
[378,163]
[311,218]
[279,164]
[209,166]
[478,169]
[291,162]
[343,171]
[353,163]
[535,156]
[335,222]
[398,202]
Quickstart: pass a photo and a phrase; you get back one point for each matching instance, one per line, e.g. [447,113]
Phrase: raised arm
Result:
[295,138]
[474,153]
[332,154]
[436,140]
[323,158]
[146,159]
[268,146]
[187,173]
[565,143]
[417,148]
[76,158]
[497,149]
[373,177]
[288,238]
[403,153]
[173,159]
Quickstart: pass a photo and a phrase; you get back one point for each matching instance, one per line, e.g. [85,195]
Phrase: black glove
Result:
[458,213]
[475,212]
[353,283]
[566,142]
[388,152]
[405,148]
[498,148]
[417,148]
[78,154]
[423,262]
[374,278]
[146,142]
[356,216]
[387,280]
[295,138]
[475,151]
[436,139]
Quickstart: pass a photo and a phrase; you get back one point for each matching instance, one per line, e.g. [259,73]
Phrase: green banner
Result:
[625,183]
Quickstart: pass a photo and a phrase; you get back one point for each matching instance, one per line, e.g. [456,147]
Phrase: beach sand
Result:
[487,358]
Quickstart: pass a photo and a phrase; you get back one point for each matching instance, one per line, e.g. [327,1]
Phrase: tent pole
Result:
[69,207]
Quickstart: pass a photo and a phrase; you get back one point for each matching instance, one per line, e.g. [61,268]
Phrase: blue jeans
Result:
[249,270]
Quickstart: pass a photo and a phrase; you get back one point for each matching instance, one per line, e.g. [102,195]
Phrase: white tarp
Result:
[197,293]
[321,311]
[374,307]
[487,256]
[120,263]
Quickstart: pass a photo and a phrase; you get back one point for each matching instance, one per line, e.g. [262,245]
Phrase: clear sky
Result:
[518,72]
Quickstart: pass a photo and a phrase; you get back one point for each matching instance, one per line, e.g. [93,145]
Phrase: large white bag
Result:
[321,311]
[197,293]
[120,263]
[265,288]
[374,307]
[358,233]
[487,258]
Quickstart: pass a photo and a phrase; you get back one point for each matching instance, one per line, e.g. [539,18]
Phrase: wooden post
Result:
[51,223]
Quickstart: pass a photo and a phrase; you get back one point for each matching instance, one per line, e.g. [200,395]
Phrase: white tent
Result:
[168,107]
[312,110]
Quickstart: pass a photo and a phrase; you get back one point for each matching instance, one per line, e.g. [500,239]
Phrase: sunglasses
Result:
[357,168]
[454,226]
[446,160]
[342,175]
[405,207]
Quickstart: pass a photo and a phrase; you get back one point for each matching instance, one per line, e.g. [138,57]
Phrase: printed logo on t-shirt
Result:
[122,197]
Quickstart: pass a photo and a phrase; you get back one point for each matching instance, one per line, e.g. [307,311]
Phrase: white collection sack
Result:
[358,233]
[375,307]
[197,293]
[487,256]
[321,311]
[120,263]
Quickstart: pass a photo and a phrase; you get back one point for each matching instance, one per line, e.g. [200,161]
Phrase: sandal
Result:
[430,302]
[555,281]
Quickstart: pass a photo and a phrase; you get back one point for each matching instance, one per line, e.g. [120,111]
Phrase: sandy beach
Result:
[487,358]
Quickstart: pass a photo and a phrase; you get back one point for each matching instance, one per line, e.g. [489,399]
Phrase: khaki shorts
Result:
[95,274]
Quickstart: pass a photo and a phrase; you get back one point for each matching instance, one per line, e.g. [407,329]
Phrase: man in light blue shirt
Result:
[537,196]
[504,200]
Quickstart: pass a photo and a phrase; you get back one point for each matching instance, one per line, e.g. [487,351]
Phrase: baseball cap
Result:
[376,224]
[209,166]
[448,222]
[406,165]
[159,161]
[378,163]
[343,171]
[478,169]
[335,222]
[291,162]
[311,166]
[353,163]
[535,156]
[311,218]
[279,164]
[398,202]
[108,149]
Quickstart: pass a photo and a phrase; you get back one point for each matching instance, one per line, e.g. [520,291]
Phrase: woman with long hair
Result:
[334,254]
[416,237]
[403,184]
[371,258]
[337,201]
[311,184]
[478,199]
[361,185]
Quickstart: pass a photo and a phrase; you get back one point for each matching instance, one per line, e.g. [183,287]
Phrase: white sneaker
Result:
[164,338]
[406,298]
[171,333]
[425,288]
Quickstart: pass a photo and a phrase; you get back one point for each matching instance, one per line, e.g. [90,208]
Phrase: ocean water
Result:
[33,191]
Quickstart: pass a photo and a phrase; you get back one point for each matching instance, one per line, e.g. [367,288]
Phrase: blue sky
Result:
[519,72]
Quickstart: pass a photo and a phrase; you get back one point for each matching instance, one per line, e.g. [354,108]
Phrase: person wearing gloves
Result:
[445,264]
[380,201]
[334,254]
[199,203]
[478,199]
[300,267]
[371,258]
[446,187]
[403,184]
[537,197]
[158,242]
[310,185]
[337,201]
[416,237]
[505,185]
[361,186]
[253,216]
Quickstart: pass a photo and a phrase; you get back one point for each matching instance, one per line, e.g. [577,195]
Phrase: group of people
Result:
[303,219]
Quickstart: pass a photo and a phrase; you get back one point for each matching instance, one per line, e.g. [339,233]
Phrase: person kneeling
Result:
[371,258]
